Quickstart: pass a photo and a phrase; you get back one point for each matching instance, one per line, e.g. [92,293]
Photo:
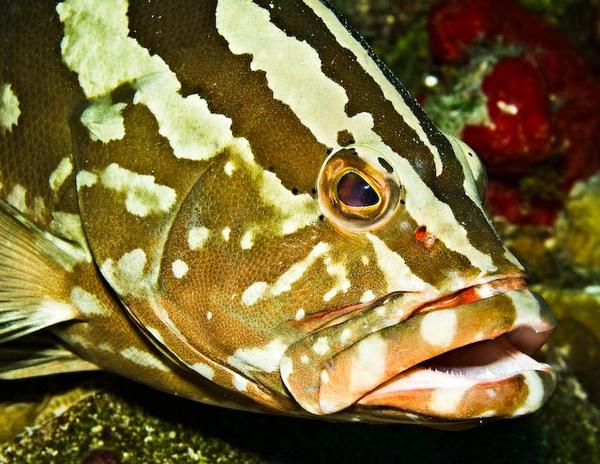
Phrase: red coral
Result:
[520,128]
[544,103]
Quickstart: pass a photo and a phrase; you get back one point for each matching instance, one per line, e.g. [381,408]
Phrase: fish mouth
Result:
[457,357]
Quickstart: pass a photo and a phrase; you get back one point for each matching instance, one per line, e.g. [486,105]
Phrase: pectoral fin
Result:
[38,355]
[35,270]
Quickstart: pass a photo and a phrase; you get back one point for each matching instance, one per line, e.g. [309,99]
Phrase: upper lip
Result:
[337,392]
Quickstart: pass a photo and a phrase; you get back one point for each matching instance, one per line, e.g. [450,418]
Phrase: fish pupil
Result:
[355,191]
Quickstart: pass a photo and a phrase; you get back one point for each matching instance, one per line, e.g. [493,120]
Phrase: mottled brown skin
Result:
[184,35]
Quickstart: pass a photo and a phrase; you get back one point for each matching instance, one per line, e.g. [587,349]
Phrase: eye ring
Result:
[355,194]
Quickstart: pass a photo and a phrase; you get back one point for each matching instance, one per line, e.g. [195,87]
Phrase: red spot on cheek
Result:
[427,239]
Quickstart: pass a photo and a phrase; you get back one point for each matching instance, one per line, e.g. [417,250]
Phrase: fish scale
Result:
[175,166]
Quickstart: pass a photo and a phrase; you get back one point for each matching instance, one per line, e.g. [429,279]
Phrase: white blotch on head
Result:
[247,240]
[226,233]
[143,358]
[300,314]
[395,270]
[60,174]
[85,179]
[338,272]
[286,367]
[103,120]
[16,198]
[143,196]
[304,359]
[97,47]
[438,328]
[264,359]
[239,382]
[346,333]
[209,315]
[204,370]
[87,303]
[197,237]
[179,268]
[367,296]
[68,225]
[254,293]
[9,108]
[368,366]
[260,290]
[229,168]
[321,346]
[365,260]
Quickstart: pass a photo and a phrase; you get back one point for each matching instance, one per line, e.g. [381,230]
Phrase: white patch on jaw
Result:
[103,120]
[365,260]
[179,268]
[321,346]
[527,308]
[143,358]
[438,328]
[324,377]
[239,382]
[247,240]
[264,359]
[226,233]
[300,314]
[447,400]
[260,290]
[368,364]
[143,196]
[535,393]
[367,296]
[88,303]
[395,270]
[346,334]
[60,174]
[98,48]
[204,370]
[16,198]
[9,108]
[229,168]
[197,237]
[85,179]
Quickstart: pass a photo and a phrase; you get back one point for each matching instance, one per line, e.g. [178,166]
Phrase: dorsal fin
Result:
[34,276]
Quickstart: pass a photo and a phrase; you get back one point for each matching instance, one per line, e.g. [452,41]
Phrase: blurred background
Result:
[519,81]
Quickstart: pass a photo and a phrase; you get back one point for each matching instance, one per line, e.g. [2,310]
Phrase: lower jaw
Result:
[455,386]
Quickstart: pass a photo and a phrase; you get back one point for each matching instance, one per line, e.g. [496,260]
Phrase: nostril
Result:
[421,235]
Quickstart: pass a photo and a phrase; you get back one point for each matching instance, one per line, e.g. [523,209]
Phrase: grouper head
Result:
[308,239]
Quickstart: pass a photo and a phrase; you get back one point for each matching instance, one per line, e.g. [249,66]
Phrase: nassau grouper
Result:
[235,201]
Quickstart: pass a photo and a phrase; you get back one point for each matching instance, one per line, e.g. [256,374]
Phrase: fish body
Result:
[235,201]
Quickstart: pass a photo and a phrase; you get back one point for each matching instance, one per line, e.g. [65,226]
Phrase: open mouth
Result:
[462,356]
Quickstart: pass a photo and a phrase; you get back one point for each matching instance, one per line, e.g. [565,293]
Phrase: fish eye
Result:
[354,191]
[355,194]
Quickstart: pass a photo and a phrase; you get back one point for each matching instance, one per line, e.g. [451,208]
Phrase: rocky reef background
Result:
[545,195]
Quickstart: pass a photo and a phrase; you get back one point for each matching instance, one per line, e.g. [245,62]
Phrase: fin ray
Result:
[39,355]
[34,276]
